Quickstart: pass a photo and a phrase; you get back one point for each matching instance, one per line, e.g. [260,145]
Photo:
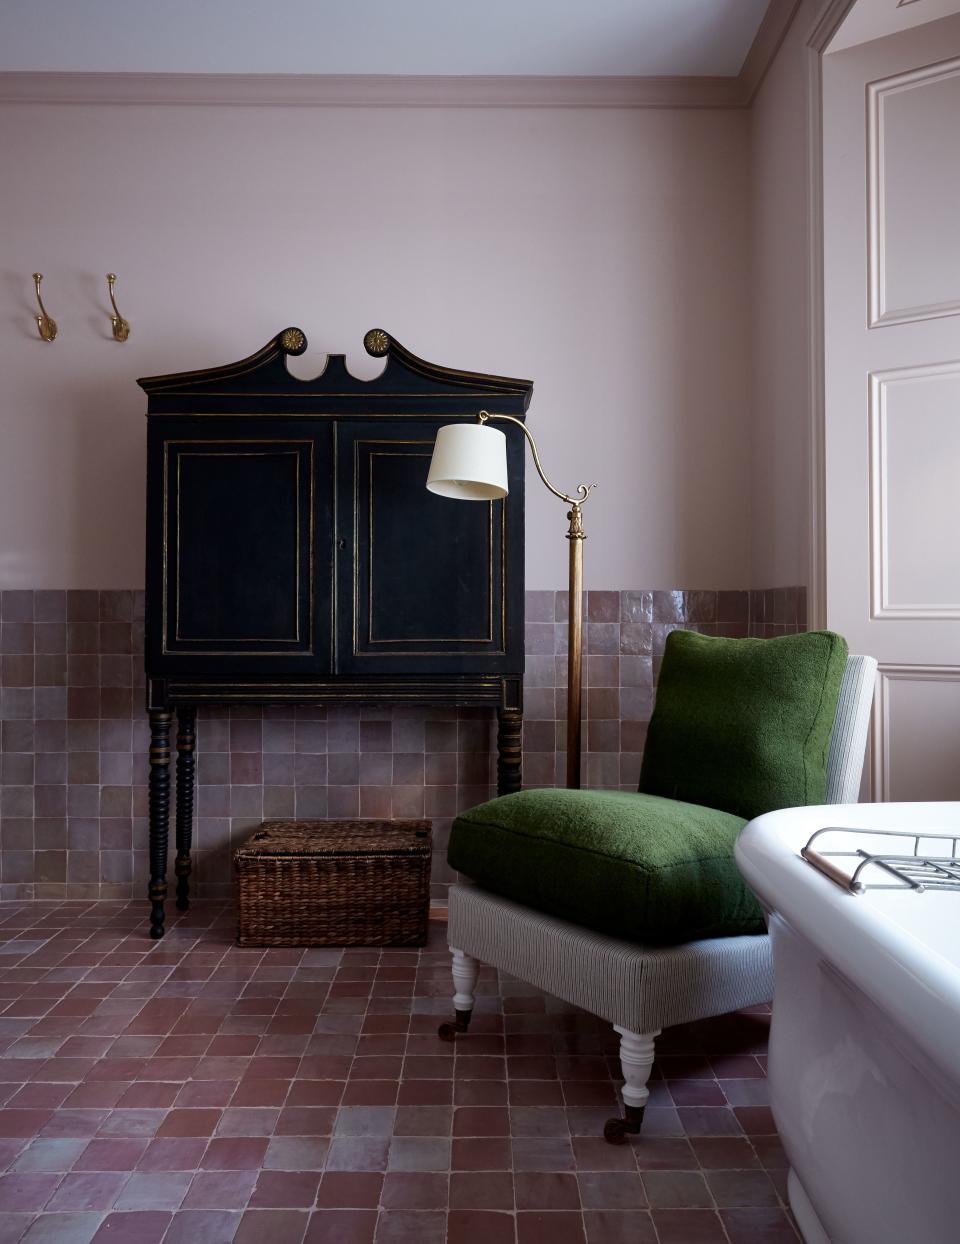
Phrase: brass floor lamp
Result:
[470,464]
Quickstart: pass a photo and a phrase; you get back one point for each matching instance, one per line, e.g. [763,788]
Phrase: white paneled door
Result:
[891,177]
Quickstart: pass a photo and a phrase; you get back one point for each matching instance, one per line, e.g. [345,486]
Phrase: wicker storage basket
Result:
[334,883]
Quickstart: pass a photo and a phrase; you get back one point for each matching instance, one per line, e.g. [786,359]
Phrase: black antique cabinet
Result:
[294,554]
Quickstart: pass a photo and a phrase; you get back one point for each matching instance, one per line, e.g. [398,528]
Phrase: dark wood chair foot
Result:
[157,913]
[448,1032]
[616,1131]
[183,884]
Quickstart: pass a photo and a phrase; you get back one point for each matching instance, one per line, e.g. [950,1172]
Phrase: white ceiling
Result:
[461,37]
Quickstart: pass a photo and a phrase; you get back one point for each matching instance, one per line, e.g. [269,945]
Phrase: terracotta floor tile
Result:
[724,1152]
[202,1226]
[756,1120]
[740,1189]
[419,1153]
[538,1121]
[480,1227]
[154,1190]
[365,1121]
[296,1153]
[182,1123]
[358,1153]
[111,1155]
[482,1190]
[546,1190]
[147,1094]
[139,1227]
[349,1190]
[315,1092]
[618,1227]
[709,1121]
[306,1121]
[415,1190]
[201,1093]
[556,1227]
[220,1189]
[619,1190]
[285,1190]
[248,1121]
[275,1226]
[411,1227]
[234,1154]
[370,1092]
[123,1122]
[89,1190]
[481,1121]
[25,1193]
[172,1155]
[480,1154]
[758,1226]
[423,1121]
[688,1226]
[345,1226]
[425,1092]
[23,1122]
[66,1228]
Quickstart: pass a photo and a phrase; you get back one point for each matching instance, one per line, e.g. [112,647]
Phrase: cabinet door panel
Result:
[425,582]
[235,583]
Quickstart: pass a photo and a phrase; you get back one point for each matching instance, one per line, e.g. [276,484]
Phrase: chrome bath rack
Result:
[909,869]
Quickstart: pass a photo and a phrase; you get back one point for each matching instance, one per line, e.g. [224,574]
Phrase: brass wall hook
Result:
[121,329]
[46,327]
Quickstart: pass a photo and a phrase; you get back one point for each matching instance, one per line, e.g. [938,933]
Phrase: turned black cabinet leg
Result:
[186,769]
[160,719]
[509,750]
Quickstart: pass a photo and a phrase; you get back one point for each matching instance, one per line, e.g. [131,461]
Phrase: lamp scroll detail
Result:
[469,463]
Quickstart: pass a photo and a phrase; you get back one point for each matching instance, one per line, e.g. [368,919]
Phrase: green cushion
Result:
[631,865]
[744,724]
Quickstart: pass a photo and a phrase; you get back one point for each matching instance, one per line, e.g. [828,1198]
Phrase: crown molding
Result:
[369,90]
[766,43]
[410,91]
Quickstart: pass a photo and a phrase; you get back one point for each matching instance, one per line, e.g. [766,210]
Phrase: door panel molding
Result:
[881,605]
[880,314]
[880,726]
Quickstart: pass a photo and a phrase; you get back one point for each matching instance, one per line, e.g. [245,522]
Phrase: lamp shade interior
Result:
[469,463]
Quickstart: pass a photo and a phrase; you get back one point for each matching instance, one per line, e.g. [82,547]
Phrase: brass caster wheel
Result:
[447,1032]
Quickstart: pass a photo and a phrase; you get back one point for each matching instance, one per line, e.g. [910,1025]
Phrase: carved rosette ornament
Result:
[376,342]
[293,340]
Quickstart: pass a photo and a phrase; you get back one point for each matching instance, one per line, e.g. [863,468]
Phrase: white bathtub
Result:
[865,1038]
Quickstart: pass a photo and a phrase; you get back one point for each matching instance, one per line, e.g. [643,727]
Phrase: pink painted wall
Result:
[603,253]
[780,312]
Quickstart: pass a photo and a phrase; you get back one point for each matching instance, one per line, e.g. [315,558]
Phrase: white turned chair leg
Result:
[465,972]
[636,1060]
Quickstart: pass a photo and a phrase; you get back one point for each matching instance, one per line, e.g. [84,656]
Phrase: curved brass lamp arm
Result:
[584,490]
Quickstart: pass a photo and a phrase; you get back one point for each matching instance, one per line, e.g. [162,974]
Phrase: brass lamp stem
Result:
[576,536]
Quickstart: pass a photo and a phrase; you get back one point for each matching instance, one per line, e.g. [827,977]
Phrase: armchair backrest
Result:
[849,738]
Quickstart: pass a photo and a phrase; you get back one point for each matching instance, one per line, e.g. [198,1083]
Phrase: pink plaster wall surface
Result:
[780,326]
[603,253]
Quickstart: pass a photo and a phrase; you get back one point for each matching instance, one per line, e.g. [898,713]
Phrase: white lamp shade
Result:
[469,463]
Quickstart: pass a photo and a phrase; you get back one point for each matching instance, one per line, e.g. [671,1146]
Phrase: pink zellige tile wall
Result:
[73,747]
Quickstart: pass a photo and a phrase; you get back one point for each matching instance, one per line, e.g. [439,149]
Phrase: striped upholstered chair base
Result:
[639,989]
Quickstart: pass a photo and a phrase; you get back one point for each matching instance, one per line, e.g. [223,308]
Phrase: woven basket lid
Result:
[338,838]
